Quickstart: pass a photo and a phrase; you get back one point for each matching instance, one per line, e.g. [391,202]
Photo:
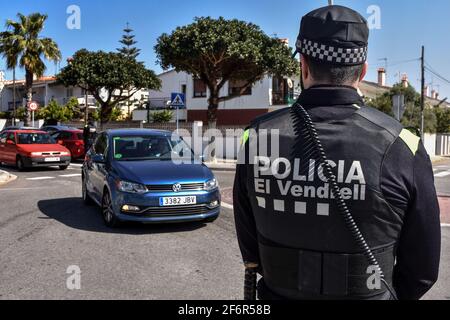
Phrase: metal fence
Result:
[443,145]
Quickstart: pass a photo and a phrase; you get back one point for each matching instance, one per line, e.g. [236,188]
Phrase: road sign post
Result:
[178,100]
[33,106]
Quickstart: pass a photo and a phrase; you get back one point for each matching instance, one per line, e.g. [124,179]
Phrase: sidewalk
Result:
[5,177]
[222,165]
[438,159]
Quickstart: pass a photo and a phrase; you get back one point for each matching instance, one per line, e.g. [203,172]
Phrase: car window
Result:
[3,137]
[80,136]
[65,136]
[34,138]
[137,148]
[101,145]
[11,137]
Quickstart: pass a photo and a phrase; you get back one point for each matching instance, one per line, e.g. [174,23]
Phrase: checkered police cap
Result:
[332,54]
[334,34]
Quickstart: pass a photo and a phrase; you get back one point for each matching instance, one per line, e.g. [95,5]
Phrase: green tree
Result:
[55,111]
[219,50]
[108,77]
[22,46]
[129,50]
[412,115]
[442,120]
[164,116]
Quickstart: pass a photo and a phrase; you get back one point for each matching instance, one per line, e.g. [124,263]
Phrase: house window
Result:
[199,89]
[235,87]
[69,92]
[184,89]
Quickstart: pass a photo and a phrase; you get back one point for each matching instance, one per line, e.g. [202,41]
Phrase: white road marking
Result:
[40,178]
[227,206]
[70,175]
[77,165]
[442,174]
[445,225]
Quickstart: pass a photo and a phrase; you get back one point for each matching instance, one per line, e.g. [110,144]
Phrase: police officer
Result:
[89,135]
[287,218]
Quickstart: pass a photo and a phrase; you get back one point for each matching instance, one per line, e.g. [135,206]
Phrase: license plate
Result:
[52,159]
[177,201]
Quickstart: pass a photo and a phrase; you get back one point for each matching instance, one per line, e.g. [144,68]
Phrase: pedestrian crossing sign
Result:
[178,100]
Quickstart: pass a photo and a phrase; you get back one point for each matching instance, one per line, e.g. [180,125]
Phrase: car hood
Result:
[161,172]
[42,148]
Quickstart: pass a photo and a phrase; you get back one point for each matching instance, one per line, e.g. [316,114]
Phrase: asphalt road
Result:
[45,228]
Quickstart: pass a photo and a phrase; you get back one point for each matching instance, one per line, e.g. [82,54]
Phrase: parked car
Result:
[72,140]
[130,174]
[17,128]
[53,129]
[31,149]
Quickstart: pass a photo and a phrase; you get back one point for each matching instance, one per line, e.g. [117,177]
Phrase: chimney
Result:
[405,82]
[382,77]
[426,91]
[285,41]
[433,94]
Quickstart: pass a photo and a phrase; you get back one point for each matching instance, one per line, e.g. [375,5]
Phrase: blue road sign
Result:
[178,100]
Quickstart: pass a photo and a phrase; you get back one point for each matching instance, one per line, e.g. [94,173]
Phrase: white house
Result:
[269,94]
[46,89]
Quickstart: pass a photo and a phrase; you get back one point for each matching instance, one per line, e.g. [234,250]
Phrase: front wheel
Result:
[108,213]
[86,197]
[19,164]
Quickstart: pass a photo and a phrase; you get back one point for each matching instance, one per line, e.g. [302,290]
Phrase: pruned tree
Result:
[219,50]
[108,77]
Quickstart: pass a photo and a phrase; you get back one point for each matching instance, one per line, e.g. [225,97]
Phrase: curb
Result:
[6,177]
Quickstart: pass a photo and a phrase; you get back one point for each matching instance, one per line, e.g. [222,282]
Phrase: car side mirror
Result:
[98,158]
[60,142]
[10,142]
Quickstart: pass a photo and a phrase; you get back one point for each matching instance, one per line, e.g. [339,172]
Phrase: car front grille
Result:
[172,211]
[169,187]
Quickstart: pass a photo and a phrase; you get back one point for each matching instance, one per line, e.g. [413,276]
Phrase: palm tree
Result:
[21,45]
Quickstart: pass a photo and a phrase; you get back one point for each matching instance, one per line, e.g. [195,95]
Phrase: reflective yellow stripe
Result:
[245,137]
[411,140]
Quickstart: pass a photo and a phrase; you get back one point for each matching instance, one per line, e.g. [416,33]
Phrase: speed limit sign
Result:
[33,106]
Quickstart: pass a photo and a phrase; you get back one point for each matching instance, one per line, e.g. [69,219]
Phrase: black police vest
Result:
[306,249]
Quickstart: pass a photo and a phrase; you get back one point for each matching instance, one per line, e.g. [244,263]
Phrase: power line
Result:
[396,63]
[431,70]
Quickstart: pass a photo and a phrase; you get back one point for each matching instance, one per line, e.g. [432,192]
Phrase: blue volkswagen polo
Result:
[150,177]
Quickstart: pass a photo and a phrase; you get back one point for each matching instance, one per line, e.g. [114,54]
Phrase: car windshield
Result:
[34,138]
[138,148]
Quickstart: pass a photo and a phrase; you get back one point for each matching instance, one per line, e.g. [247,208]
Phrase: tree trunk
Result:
[212,120]
[105,114]
[29,91]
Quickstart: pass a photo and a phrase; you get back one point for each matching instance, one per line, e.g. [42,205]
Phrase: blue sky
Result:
[405,26]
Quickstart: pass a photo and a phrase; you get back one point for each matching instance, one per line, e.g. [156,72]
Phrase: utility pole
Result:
[14,97]
[330,2]
[422,96]
[86,108]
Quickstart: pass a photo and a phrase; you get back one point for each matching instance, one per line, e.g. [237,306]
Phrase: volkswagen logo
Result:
[176,187]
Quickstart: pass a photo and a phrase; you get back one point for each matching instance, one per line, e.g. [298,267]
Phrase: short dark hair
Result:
[332,74]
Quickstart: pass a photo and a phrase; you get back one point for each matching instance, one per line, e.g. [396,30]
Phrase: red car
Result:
[31,149]
[72,140]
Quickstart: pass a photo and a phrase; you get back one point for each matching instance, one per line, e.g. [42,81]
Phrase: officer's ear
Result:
[364,72]
[304,67]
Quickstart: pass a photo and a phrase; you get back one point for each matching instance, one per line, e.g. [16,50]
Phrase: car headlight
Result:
[131,187]
[211,185]
[65,153]
[36,154]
